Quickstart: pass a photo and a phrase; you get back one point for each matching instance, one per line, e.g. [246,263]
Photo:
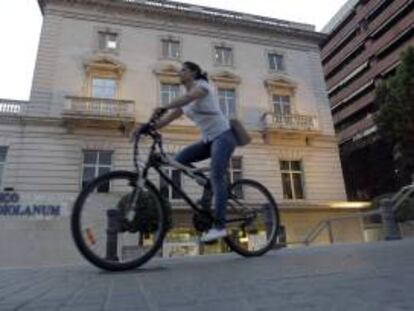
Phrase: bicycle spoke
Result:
[252,219]
[105,234]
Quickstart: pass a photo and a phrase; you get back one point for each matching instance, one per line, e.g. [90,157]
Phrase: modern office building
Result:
[363,47]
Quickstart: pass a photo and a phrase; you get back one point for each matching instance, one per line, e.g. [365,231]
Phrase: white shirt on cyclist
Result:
[206,114]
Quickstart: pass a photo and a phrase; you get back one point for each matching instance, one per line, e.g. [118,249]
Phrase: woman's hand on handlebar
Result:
[142,129]
[151,125]
[158,113]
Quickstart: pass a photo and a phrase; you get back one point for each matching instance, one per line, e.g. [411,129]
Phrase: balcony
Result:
[98,111]
[12,107]
[290,123]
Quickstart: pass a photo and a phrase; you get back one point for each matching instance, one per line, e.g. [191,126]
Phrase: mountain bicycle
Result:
[120,219]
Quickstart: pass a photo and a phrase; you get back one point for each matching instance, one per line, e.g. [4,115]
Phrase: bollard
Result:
[390,225]
[112,234]
[268,219]
[330,232]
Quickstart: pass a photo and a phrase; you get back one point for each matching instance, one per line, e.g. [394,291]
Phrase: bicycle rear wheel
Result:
[109,230]
[252,218]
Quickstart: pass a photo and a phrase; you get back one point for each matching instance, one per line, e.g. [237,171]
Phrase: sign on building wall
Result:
[10,108]
[11,205]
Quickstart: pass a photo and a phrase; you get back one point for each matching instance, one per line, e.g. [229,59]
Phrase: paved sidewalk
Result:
[378,276]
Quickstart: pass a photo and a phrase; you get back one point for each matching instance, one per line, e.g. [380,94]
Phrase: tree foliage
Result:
[395,98]
[395,118]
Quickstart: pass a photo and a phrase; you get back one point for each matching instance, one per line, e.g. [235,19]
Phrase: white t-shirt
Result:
[206,114]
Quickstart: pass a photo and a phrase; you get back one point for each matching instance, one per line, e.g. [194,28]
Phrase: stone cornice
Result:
[104,62]
[225,77]
[178,10]
[261,39]
[280,82]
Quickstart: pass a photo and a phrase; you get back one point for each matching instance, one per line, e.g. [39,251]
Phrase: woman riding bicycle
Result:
[217,140]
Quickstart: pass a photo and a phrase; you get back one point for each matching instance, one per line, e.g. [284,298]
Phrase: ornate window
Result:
[226,84]
[281,93]
[104,87]
[235,169]
[223,54]
[95,164]
[235,172]
[166,190]
[292,180]
[227,101]
[276,61]
[169,91]
[103,76]
[169,83]
[281,104]
[170,47]
[108,40]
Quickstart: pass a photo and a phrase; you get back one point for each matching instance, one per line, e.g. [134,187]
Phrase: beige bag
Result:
[240,132]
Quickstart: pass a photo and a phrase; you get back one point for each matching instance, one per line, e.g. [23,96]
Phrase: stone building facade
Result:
[103,66]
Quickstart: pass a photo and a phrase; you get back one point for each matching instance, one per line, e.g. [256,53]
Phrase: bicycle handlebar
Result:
[147,129]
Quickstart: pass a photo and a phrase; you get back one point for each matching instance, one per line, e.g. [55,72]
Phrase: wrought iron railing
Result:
[99,107]
[290,122]
[12,107]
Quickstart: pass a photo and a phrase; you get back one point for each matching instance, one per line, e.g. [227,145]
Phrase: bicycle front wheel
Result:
[110,230]
[252,218]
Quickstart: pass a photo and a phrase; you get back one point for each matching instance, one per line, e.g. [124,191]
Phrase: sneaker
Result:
[213,234]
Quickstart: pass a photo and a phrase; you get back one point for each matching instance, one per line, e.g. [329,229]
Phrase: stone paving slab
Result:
[377,276]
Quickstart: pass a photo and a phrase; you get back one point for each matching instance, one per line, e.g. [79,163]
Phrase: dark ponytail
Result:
[199,74]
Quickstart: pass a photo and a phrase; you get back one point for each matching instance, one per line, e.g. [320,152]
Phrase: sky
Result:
[20,25]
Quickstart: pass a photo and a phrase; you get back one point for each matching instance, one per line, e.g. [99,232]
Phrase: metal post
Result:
[390,225]
[331,237]
[268,219]
[112,234]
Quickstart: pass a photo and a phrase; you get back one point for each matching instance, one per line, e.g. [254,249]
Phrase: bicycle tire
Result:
[76,227]
[232,243]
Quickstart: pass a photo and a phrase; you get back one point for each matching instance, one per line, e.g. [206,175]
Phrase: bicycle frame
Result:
[157,161]
[160,160]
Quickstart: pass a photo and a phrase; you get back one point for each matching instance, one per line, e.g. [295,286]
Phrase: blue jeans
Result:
[220,151]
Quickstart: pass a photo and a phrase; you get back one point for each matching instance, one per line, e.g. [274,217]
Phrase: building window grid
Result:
[95,164]
[292,180]
[235,173]
[281,104]
[167,191]
[3,156]
[276,62]
[168,93]
[108,41]
[227,101]
[223,55]
[235,169]
[170,48]
[104,87]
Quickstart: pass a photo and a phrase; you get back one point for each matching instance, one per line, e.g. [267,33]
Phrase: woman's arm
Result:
[175,114]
